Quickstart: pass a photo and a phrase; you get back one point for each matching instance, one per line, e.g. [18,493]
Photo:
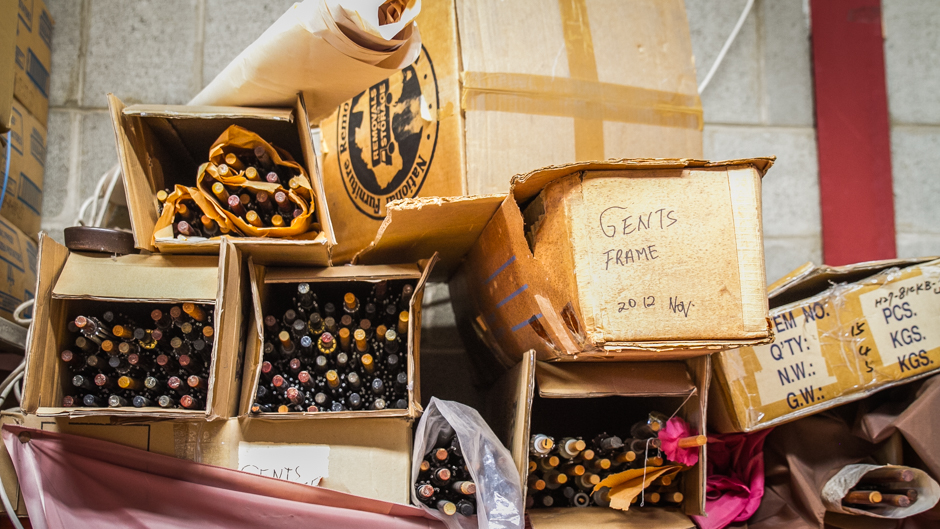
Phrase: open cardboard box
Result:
[621,259]
[366,458]
[265,294]
[585,398]
[502,87]
[842,333]
[163,145]
[73,281]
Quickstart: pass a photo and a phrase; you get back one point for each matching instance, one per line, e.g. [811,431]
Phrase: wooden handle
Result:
[863,497]
[693,442]
[889,475]
[897,500]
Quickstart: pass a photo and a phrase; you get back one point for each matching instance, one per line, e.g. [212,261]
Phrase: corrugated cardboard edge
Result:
[526,186]
[8,16]
[143,216]
[209,112]
[744,187]
[404,235]
[52,257]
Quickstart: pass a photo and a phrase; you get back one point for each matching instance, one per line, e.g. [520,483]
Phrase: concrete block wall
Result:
[760,102]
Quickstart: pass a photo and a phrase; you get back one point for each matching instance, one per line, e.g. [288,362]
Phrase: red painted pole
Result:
[853,133]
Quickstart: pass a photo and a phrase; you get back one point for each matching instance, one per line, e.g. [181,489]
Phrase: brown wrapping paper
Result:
[626,485]
[164,227]
[240,141]
[802,456]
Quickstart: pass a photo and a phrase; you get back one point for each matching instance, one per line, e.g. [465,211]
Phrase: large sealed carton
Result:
[365,458]
[25,57]
[18,264]
[271,285]
[22,164]
[501,88]
[74,283]
[160,146]
[840,334]
[623,259]
[583,399]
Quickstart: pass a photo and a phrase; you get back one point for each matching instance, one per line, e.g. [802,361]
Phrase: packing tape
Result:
[581,96]
[745,201]
[579,45]
[582,100]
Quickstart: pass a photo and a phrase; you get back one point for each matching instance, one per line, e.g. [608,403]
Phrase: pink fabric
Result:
[676,428]
[73,482]
[735,483]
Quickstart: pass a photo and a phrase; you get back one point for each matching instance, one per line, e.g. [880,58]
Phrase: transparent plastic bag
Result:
[499,494]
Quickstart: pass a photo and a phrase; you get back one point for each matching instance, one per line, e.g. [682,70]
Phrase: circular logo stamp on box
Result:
[387,136]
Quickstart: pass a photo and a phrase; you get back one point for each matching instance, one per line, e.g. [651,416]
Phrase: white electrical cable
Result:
[8,507]
[18,389]
[724,49]
[18,313]
[6,386]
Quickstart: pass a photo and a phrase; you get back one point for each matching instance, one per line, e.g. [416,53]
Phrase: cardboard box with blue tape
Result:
[22,166]
[17,268]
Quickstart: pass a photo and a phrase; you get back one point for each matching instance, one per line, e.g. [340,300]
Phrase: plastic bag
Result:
[499,494]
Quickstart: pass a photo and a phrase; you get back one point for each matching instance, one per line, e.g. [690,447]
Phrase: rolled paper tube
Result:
[263,199]
[232,161]
[185,229]
[244,198]
[693,442]
[656,461]
[183,210]
[272,178]
[277,221]
[863,497]
[223,170]
[161,195]
[911,495]
[252,174]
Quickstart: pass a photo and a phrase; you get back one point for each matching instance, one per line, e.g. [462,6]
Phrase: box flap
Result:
[414,334]
[525,186]
[406,233]
[141,202]
[209,112]
[604,379]
[322,209]
[809,280]
[566,518]
[41,336]
[342,273]
[178,277]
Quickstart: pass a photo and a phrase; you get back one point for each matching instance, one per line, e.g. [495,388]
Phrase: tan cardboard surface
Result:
[550,278]
[592,379]
[517,86]
[33,58]
[8,10]
[370,459]
[18,262]
[221,282]
[22,196]
[401,138]
[567,518]
[163,145]
[404,235]
[834,347]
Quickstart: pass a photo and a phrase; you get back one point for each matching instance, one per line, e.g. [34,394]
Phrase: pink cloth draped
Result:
[71,482]
[735,482]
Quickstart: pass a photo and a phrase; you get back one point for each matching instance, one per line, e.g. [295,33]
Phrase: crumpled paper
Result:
[734,484]
[328,50]
[626,485]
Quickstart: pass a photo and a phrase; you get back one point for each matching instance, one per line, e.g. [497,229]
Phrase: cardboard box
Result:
[163,145]
[367,458]
[841,334]
[501,88]
[70,282]
[25,58]
[624,259]
[265,294]
[18,255]
[21,195]
[587,398]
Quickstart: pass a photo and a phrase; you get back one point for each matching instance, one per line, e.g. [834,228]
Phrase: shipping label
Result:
[793,368]
[903,318]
